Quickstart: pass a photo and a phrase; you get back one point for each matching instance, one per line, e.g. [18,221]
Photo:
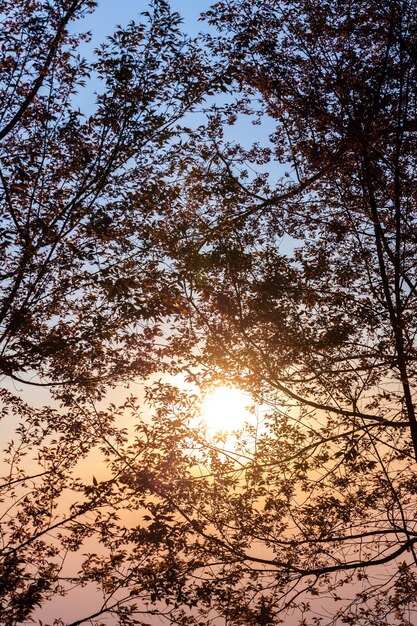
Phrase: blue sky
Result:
[112,12]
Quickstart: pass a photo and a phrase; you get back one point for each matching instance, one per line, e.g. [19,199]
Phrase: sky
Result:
[112,12]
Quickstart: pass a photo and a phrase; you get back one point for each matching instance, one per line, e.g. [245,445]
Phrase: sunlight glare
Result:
[225,409]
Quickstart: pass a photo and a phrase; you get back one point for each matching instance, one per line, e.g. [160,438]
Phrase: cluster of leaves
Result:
[302,292]
[78,302]
[286,268]
[83,290]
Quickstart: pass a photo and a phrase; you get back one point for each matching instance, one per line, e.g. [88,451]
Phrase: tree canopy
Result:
[142,238]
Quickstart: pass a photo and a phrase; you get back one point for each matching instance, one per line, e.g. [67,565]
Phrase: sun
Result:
[225,409]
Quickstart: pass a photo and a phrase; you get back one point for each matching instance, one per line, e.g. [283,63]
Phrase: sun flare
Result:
[225,409]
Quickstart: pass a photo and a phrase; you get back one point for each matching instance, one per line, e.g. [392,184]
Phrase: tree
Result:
[82,290]
[285,268]
[303,293]
[67,228]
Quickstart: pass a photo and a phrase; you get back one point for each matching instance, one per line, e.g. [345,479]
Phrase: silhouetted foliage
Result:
[286,267]
[78,271]
[299,265]
[82,289]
